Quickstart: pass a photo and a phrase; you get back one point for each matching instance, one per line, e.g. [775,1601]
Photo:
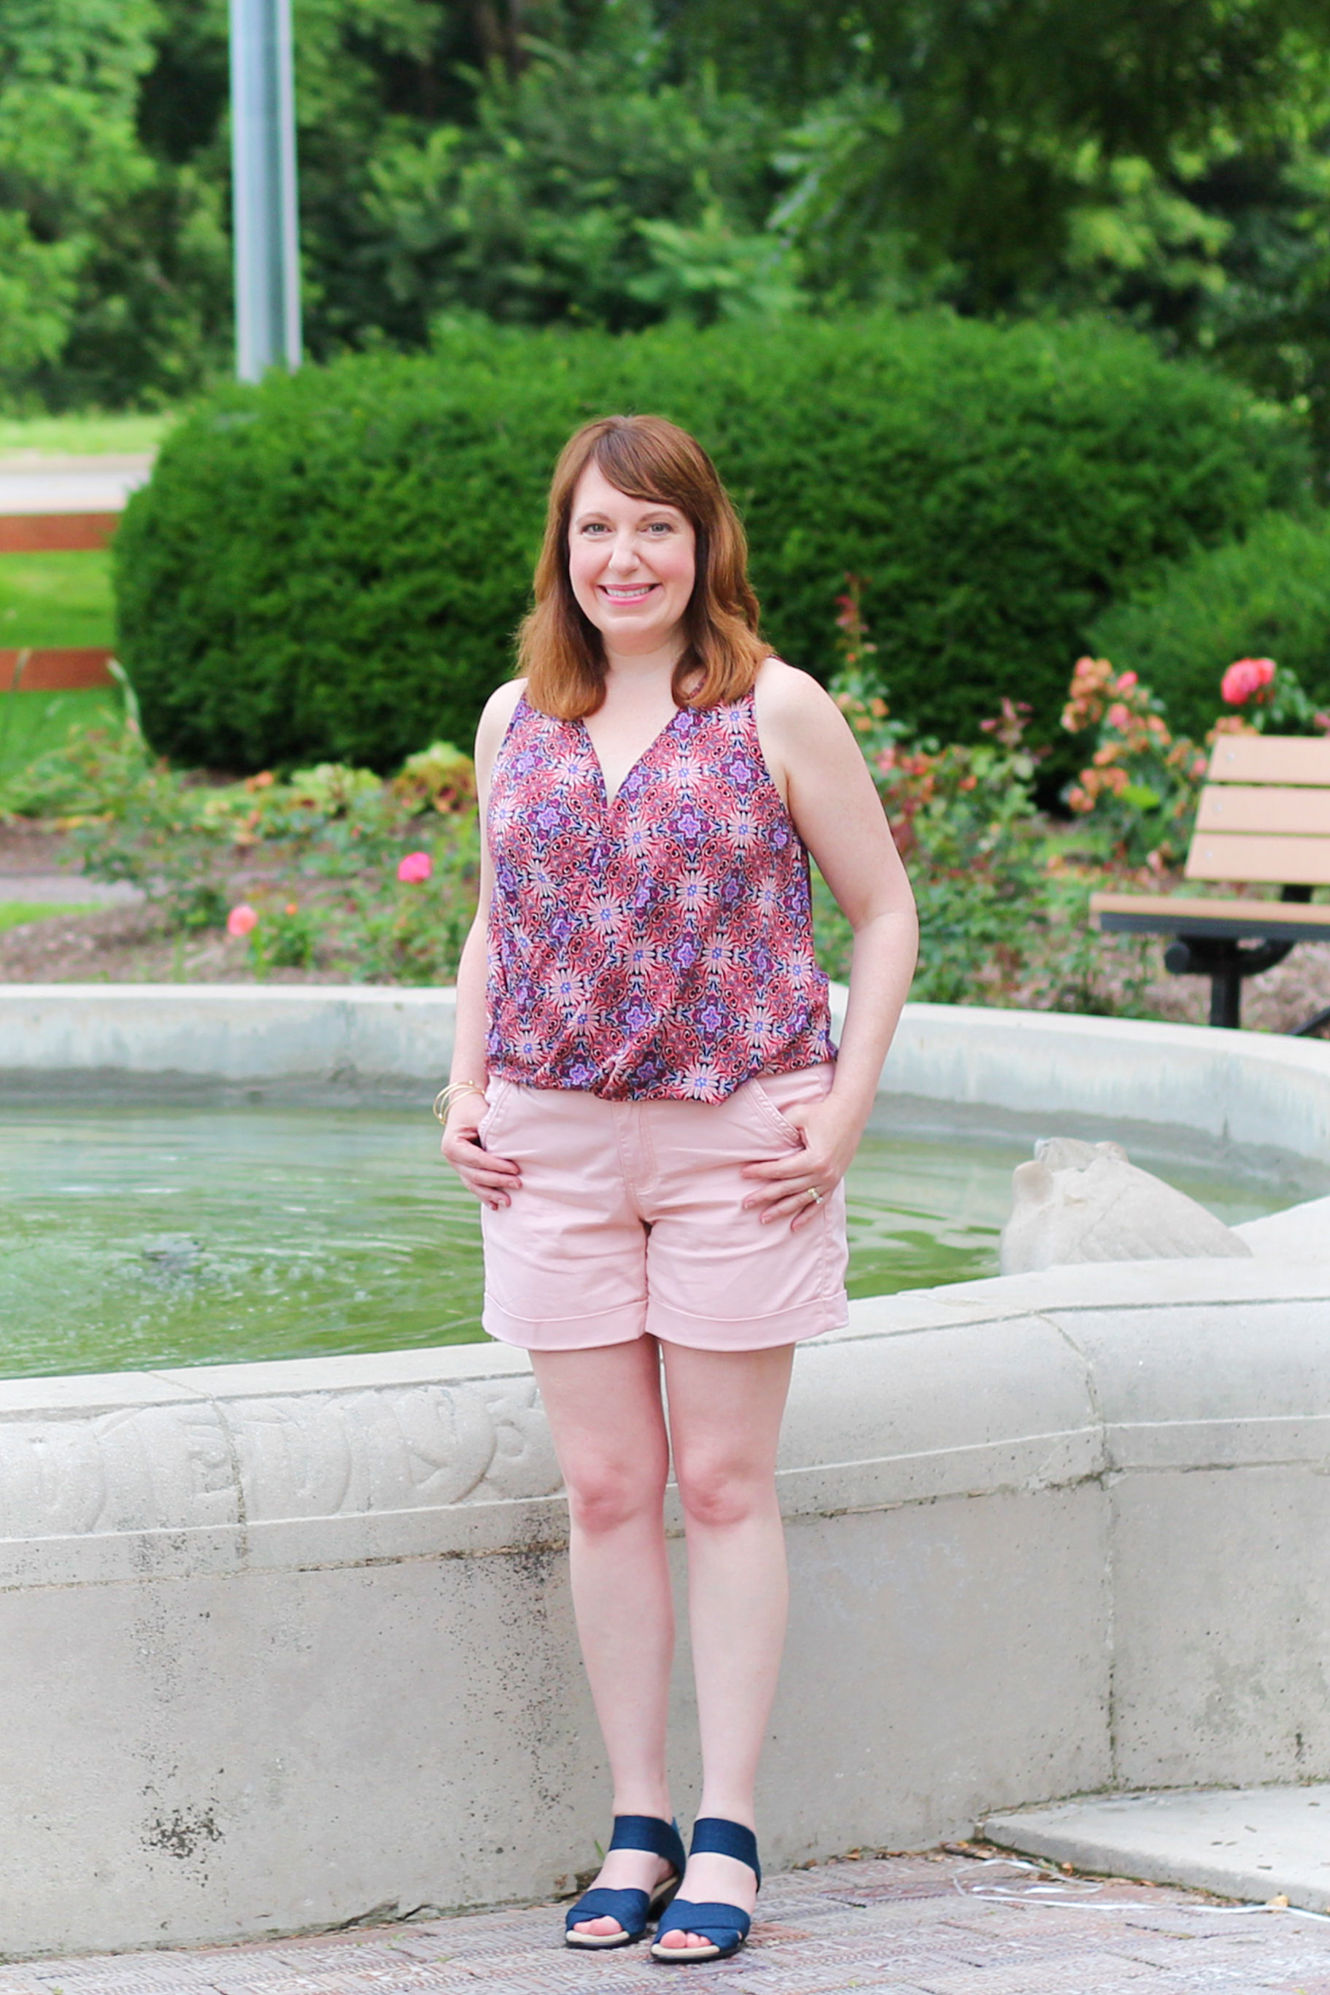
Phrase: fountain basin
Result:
[290,1643]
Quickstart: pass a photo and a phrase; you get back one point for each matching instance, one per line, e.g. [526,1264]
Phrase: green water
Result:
[153,1236]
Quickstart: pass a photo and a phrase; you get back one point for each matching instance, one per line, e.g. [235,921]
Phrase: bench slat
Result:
[1270,758]
[1172,914]
[1235,807]
[1287,862]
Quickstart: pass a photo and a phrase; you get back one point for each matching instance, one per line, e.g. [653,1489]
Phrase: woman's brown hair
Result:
[559,648]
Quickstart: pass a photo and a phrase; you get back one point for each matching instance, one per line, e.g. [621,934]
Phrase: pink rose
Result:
[1127,682]
[416,866]
[1246,677]
[241,919]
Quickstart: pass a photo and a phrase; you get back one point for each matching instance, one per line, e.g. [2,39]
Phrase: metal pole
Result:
[263,165]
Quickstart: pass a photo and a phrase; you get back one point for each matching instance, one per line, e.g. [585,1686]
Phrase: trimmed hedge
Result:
[333,564]
[1267,596]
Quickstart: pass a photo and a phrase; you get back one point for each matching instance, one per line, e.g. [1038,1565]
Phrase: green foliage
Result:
[34,725]
[102,249]
[69,73]
[154,835]
[333,565]
[283,938]
[988,128]
[1265,596]
[411,932]
[1141,785]
[200,853]
[1003,909]
[964,820]
[587,189]
[619,162]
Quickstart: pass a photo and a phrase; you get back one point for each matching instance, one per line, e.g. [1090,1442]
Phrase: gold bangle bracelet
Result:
[445,1098]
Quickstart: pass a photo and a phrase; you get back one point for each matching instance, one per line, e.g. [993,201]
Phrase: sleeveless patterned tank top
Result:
[657,944]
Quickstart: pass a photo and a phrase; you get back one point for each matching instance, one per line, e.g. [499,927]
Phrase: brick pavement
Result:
[934,1924]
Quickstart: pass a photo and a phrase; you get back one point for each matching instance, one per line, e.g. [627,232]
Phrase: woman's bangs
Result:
[646,468]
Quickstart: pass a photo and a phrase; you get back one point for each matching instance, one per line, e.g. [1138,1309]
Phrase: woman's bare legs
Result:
[604,1410]
[725,1410]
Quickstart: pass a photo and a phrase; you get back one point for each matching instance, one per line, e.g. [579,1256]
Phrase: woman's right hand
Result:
[492,1179]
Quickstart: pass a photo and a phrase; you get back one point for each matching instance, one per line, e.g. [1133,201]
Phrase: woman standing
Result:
[647,1102]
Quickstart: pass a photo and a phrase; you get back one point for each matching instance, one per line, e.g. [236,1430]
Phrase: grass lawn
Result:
[83,435]
[13,914]
[33,723]
[56,599]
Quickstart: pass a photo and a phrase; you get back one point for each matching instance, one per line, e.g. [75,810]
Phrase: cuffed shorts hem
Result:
[753,1333]
[566,1333]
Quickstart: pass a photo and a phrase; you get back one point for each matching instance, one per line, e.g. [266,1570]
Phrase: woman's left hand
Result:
[830,1134]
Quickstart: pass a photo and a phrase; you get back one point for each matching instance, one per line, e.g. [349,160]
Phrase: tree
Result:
[588,189]
[69,79]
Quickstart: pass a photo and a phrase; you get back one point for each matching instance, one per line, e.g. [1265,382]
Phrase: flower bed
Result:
[334,873]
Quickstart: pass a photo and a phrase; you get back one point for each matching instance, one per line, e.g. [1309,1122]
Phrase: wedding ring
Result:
[814,1194]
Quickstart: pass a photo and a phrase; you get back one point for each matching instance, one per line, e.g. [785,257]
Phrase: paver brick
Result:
[906,1925]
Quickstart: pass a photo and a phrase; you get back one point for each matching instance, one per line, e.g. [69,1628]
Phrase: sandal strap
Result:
[650,1833]
[603,1901]
[720,1924]
[714,1836]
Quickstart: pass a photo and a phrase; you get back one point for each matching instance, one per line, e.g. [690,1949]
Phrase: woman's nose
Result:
[623,554]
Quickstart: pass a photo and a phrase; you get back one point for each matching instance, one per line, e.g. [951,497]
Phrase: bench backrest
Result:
[1265,812]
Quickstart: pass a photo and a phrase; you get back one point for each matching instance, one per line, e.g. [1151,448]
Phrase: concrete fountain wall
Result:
[288,1645]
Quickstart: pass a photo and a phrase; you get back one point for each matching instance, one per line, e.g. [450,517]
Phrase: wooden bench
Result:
[1264,817]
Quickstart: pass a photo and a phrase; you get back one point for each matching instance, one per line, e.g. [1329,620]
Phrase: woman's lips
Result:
[636,593]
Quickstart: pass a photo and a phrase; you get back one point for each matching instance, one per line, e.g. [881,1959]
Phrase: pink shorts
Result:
[630,1222]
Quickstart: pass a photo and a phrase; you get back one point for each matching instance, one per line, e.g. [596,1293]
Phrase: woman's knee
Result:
[718,1490]
[607,1492]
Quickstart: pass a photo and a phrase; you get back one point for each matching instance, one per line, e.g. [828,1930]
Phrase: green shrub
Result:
[334,564]
[1265,596]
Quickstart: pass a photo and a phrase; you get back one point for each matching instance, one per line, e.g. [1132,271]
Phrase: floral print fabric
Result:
[657,944]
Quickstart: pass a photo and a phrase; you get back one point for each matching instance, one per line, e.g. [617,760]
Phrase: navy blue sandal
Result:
[633,1909]
[723,1927]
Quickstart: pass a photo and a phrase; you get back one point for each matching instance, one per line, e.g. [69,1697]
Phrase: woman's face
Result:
[632,564]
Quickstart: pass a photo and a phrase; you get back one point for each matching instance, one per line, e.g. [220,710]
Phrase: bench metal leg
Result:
[1312,1025]
[1225,962]
[1226,976]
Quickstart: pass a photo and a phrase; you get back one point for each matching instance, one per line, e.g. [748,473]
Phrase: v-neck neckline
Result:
[633,767]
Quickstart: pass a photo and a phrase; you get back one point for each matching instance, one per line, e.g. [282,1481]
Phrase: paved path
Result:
[70,484]
[1250,1842]
[64,889]
[938,1924]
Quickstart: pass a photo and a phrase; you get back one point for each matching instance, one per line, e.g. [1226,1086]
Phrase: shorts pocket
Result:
[497,1093]
[799,1088]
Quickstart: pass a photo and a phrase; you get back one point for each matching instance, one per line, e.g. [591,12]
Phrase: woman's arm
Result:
[490,1178]
[818,765]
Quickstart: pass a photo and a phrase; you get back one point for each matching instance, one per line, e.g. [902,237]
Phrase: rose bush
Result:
[1141,783]
[1246,679]
[1273,699]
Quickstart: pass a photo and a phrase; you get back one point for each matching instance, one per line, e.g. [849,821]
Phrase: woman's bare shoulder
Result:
[502,702]
[498,711]
[785,696]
